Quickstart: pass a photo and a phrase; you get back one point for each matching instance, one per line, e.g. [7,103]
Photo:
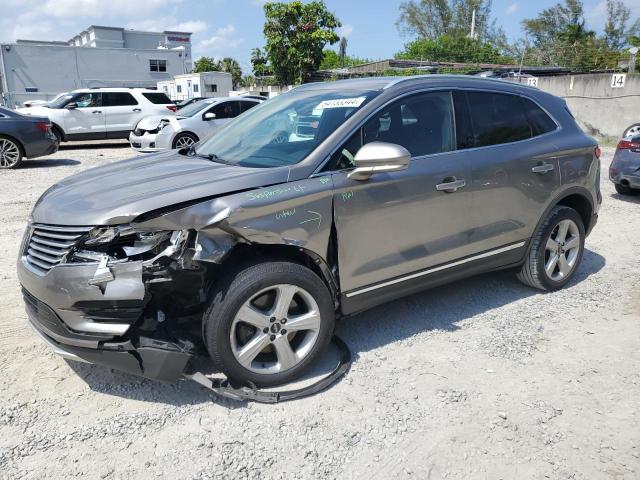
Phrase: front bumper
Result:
[146,357]
[145,143]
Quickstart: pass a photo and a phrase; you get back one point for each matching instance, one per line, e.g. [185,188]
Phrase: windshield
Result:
[285,129]
[193,108]
[61,101]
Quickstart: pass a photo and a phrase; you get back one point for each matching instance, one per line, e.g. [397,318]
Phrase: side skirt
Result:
[370,296]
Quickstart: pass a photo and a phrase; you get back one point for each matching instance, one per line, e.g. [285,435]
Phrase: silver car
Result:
[321,202]
[192,123]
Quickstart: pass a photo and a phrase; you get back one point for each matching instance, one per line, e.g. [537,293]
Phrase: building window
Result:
[211,87]
[158,65]
[195,87]
[179,88]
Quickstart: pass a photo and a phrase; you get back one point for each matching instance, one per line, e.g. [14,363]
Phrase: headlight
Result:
[121,242]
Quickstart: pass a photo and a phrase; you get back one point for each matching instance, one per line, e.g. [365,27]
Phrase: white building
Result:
[205,84]
[97,57]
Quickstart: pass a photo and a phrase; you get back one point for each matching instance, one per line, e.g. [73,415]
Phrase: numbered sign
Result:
[532,81]
[618,79]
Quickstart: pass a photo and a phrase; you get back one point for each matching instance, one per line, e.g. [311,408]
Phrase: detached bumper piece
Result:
[224,388]
[148,357]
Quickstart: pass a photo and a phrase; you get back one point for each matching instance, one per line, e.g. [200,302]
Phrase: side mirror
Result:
[379,157]
[209,116]
[71,105]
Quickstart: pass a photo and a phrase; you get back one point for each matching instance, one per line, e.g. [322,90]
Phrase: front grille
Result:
[48,245]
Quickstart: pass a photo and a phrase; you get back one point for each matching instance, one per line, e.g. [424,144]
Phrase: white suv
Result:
[101,113]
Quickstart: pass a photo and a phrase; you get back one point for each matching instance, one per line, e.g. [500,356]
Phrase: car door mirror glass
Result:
[379,157]
[209,116]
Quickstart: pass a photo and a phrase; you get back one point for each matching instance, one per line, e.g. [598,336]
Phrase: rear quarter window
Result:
[158,98]
[538,119]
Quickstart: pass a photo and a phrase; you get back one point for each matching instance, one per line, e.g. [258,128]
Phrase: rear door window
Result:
[538,119]
[244,106]
[158,98]
[226,110]
[497,118]
[118,99]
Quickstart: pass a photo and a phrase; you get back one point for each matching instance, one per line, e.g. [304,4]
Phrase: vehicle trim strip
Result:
[490,253]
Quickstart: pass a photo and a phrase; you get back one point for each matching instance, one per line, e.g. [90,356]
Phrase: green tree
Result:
[617,31]
[332,60]
[432,19]
[248,81]
[296,34]
[259,63]
[453,49]
[232,66]
[205,64]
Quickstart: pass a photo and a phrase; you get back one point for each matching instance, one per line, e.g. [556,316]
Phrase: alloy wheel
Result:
[562,250]
[184,141]
[275,329]
[9,153]
[632,131]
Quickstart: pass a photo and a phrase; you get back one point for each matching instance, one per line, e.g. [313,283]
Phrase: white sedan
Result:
[189,125]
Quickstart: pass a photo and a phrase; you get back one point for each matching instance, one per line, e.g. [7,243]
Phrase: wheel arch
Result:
[17,141]
[183,132]
[581,203]
[63,136]
[243,255]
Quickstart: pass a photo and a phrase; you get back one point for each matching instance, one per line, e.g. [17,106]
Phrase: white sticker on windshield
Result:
[341,103]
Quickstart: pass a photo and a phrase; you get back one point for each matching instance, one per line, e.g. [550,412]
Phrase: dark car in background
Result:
[23,136]
[624,171]
[249,245]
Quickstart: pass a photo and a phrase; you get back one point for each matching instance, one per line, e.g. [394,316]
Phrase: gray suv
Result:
[315,205]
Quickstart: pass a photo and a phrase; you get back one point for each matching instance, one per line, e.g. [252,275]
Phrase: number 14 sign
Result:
[617,80]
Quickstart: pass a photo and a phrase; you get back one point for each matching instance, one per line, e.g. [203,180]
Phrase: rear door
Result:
[514,165]
[122,113]
[87,119]
[396,224]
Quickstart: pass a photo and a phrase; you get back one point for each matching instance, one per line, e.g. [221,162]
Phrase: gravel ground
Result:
[483,378]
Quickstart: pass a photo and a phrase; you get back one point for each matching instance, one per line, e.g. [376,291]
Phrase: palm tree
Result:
[230,65]
[342,50]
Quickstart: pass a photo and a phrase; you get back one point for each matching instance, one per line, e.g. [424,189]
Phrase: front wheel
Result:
[10,153]
[623,189]
[268,323]
[555,251]
[184,140]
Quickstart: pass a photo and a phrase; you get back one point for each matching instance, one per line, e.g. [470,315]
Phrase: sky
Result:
[233,27]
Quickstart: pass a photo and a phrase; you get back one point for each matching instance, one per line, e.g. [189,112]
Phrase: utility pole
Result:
[473,25]
[632,59]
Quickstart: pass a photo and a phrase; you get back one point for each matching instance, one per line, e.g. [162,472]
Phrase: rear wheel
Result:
[268,323]
[623,189]
[11,153]
[555,251]
[184,140]
[56,131]
[632,131]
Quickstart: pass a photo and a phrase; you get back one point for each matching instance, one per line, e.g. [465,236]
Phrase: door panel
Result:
[122,111]
[88,118]
[396,223]
[513,175]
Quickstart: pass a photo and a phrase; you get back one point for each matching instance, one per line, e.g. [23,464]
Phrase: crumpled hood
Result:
[152,121]
[119,192]
[35,111]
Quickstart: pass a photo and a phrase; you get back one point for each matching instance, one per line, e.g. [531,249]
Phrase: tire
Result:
[624,190]
[184,140]
[632,130]
[57,133]
[252,294]
[549,234]
[11,153]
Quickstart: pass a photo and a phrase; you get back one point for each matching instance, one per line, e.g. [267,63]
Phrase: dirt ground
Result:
[483,378]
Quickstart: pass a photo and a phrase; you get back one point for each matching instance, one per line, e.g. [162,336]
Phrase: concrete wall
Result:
[55,69]
[601,110]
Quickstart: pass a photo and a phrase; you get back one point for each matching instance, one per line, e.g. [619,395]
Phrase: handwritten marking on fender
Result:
[275,192]
[317,217]
[285,214]
[346,196]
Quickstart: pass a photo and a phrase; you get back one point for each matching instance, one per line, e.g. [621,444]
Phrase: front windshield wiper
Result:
[210,156]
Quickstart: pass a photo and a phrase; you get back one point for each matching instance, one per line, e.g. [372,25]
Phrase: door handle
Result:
[137,109]
[450,185]
[97,111]
[542,168]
